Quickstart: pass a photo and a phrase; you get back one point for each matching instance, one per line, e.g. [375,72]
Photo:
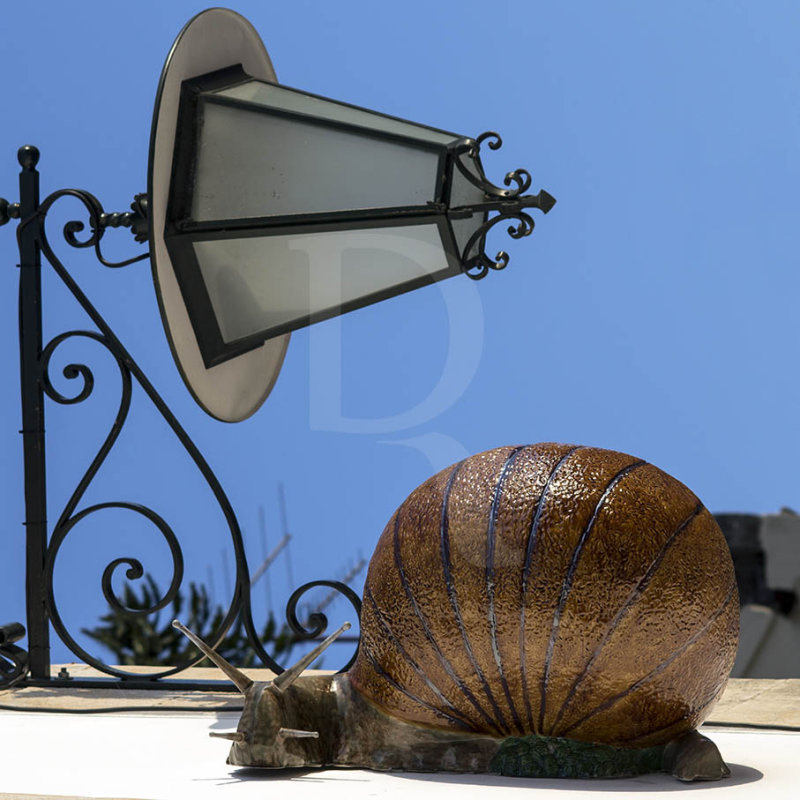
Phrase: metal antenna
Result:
[262,532]
[212,591]
[267,562]
[226,575]
[285,528]
[243,683]
[335,594]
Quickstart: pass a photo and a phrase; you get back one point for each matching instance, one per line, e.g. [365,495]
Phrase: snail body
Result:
[545,610]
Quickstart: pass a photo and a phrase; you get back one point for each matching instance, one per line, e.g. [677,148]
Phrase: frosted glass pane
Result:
[463,192]
[259,283]
[269,94]
[463,229]
[257,165]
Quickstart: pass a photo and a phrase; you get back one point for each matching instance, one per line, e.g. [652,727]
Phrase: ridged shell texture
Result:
[552,589]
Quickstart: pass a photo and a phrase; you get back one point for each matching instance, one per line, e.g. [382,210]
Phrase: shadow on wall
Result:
[766,557]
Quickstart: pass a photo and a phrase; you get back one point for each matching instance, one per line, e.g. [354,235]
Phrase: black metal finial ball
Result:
[8,211]
[28,156]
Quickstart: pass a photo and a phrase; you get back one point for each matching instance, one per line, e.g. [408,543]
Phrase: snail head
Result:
[278,723]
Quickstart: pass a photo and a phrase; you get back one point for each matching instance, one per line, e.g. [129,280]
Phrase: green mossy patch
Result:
[545,757]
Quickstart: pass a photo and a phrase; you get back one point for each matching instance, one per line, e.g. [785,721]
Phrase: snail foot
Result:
[694,757]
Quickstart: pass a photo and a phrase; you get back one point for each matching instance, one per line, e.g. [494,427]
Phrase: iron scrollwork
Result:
[508,202]
[13,659]
[98,222]
[317,621]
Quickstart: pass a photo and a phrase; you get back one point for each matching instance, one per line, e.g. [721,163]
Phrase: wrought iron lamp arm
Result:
[41,553]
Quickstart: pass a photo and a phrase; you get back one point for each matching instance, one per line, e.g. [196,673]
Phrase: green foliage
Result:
[146,640]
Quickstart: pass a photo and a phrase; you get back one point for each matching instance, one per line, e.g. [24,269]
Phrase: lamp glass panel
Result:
[462,191]
[252,164]
[463,229]
[257,284]
[272,95]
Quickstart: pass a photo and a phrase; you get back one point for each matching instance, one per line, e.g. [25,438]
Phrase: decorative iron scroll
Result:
[13,659]
[72,515]
[317,621]
[509,202]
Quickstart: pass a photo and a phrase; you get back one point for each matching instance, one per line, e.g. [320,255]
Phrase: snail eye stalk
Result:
[294,733]
[289,676]
[242,682]
[231,736]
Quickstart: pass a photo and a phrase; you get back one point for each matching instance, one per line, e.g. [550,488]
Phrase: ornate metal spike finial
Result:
[508,202]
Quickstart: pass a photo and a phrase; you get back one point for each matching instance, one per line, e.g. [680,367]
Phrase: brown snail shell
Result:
[550,589]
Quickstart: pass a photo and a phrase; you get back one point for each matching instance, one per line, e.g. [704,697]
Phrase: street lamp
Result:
[266,177]
[267,209]
[272,208]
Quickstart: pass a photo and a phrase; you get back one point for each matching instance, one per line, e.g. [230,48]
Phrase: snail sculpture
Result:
[544,611]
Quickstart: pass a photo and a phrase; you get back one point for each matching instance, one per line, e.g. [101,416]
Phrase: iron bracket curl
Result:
[137,219]
[317,622]
[33,667]
[100,220]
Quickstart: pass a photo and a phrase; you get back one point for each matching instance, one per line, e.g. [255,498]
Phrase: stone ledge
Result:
[746,701]
[759,701]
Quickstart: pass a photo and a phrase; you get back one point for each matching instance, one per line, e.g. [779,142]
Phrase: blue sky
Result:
[653,311]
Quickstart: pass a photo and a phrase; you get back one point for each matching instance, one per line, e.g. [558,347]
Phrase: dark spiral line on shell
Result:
[634,595]
[566,586]
[444,540]
[490,542]
[629,742]
[457,716]
[426,628]
[390,680]
[656,670]
[526,571]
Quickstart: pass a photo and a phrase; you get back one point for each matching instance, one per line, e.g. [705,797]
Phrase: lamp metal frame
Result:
[460,156]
